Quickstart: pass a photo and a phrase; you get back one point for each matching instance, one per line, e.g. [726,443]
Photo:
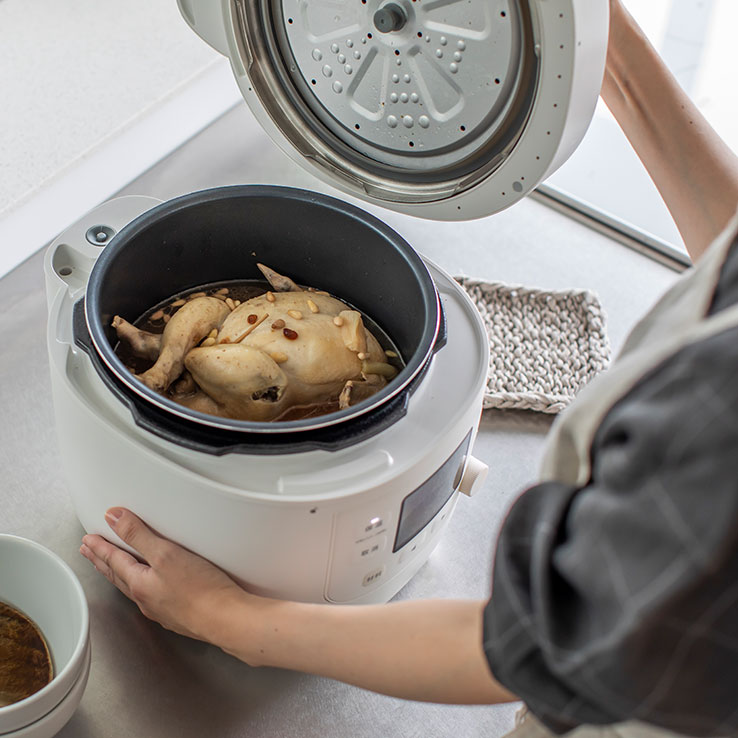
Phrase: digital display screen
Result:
[422,505]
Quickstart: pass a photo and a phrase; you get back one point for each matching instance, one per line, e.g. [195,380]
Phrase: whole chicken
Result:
[285,354]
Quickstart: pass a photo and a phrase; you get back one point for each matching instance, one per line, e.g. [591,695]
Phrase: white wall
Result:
[93,93]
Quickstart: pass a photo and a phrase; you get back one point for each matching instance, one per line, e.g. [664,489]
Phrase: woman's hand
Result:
[181,591]
[693,169]
[427,650]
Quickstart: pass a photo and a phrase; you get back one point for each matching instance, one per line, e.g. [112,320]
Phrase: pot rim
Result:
[414,366]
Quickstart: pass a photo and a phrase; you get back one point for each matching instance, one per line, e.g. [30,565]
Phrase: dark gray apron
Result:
[678,320]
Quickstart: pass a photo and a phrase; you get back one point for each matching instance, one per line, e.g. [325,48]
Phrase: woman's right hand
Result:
[426,650]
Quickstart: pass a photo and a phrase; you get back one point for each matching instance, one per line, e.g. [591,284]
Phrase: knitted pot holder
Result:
[544,346]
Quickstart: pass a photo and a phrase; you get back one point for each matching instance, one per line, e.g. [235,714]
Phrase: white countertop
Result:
[148,682]
[145,681]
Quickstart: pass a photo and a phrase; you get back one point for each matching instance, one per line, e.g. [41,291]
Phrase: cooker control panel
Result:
[371,538]
[372,545]
[361,543]
[423,504]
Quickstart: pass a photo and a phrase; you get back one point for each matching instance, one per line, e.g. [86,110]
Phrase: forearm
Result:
[693,169]
[426,650]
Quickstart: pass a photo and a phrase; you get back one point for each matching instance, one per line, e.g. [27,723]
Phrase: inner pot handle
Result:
[218,442]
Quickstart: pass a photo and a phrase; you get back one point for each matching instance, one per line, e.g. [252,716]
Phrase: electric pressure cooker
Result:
[440,109]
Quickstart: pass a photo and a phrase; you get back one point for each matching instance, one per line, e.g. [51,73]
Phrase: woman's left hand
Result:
[176,588]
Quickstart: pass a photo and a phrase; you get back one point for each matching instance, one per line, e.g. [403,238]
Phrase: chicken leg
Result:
[143,344]
[188,326]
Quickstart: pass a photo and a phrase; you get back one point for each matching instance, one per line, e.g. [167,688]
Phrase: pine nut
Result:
[376,367]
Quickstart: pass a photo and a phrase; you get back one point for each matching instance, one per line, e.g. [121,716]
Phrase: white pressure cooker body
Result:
[344,508]
[444,109]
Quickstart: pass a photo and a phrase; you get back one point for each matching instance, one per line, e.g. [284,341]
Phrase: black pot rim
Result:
[414,366]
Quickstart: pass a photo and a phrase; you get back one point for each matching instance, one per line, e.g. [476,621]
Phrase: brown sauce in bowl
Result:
[25,661]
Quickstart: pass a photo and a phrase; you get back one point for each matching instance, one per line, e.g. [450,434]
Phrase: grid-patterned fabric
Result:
[618,600]
[545,346]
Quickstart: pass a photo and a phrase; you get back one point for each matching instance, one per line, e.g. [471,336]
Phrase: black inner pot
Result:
[221,234]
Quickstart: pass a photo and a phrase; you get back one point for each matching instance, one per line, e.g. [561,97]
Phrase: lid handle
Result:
[391,17]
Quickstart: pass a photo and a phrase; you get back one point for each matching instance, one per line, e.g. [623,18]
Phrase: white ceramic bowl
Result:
[39,584]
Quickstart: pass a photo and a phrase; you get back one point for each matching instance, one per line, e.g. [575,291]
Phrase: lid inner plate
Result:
[426,96]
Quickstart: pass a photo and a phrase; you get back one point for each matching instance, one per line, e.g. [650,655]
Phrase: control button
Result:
[474,476]
[372,577]
[437,525]
[99,235]
[408,552]
[371,547]
[412,546]
[370,527]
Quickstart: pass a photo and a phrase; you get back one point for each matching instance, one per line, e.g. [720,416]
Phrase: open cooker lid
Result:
[447,109]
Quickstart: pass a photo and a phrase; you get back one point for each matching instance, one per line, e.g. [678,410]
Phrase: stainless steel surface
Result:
[405,116]
[148,683]
[625,233]
[429,79]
